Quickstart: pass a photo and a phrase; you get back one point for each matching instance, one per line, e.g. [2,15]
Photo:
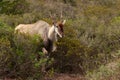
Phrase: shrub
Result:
[13,7]
[19,55]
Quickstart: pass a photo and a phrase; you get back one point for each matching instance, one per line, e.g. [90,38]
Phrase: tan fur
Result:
[37,28]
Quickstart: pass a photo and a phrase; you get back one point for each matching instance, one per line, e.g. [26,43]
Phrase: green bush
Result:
[85,49]
[21,56]
[13,7]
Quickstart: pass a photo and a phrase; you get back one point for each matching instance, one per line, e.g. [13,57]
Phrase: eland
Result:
[48,33]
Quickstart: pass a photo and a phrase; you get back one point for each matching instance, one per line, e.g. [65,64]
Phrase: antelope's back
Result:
[39,28]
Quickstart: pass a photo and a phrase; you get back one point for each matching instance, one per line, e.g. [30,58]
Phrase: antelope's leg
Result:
[54,48]
[44,51]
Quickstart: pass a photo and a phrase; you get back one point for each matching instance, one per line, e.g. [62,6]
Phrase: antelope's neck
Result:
[51,33]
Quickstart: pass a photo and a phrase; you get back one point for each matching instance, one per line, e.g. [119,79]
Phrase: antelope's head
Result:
[59,28]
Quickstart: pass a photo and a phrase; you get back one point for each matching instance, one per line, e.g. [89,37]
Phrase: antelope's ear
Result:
[63,22]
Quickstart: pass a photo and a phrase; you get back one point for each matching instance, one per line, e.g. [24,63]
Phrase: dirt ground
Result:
[57,76]
[66,77]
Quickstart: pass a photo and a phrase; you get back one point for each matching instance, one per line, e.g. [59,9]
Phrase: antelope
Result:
[48,33]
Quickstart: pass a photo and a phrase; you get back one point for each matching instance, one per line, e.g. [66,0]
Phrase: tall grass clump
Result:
[20,56]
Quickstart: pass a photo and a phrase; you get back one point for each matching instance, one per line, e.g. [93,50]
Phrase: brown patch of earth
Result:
[66,77]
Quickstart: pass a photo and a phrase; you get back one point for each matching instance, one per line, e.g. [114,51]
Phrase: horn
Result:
[63,22]
[61,15]
[52,17]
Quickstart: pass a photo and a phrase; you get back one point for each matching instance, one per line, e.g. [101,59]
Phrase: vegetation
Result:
[91,39]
